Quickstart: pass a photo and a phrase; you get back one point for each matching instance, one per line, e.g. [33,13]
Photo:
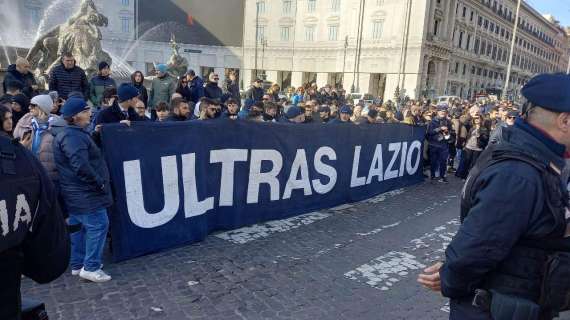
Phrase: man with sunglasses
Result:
[211,109]
[212,90]
[510,119]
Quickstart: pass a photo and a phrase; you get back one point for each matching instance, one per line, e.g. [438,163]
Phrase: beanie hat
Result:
[162,68]
[294,112]
[73,106]
[346,109]
[103,65]
[21,99]
[127,92]
[14,84]
[44,102]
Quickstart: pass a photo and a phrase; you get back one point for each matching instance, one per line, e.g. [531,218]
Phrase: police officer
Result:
[513,217]
[33,237]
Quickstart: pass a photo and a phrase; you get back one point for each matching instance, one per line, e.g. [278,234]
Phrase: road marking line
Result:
[264,230]
[383,272]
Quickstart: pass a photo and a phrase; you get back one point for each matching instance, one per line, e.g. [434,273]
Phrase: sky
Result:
[560,9]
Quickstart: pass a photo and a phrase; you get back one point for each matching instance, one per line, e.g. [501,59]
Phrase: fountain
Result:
[74,26]
[80,35]
[177,65]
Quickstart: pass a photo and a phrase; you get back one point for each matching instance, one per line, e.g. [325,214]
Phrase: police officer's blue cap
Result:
[442,108]
[73,106]
[346,109]
[549,91]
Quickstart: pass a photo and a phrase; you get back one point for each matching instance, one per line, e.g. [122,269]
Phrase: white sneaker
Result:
[76,272]
[94,276]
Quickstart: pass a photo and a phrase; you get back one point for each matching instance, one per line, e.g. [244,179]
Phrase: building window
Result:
[261,6]
[472,16]
[125,2]
[260,33]
[335,5]
[311,5]
[287,6]
[149,68]
[310,33]
[435,27]
[285,33]
[333,33]
[125,24]
[35,15]
[378,27]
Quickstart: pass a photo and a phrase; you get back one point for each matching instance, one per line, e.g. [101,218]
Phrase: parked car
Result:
[358,97]
[447,99]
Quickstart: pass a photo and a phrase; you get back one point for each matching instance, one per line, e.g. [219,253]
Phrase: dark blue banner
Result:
[175,183]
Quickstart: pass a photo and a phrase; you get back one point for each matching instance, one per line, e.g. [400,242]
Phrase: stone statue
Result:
[177,65]
[80,35]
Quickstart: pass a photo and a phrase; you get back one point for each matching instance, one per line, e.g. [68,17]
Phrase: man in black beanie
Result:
[100,82]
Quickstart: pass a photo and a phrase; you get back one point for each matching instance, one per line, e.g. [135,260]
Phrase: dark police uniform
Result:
[513,219]
[33,237]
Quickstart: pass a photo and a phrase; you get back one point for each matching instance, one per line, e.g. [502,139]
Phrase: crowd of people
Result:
[62,126]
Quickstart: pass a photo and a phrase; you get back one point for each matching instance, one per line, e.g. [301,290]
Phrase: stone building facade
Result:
[420,47]
[425,47]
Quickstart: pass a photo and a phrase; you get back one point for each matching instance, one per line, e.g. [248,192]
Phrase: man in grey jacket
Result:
[162,88]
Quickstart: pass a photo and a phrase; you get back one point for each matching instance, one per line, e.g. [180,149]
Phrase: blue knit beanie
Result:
[126,92]
[73,106]
[162,67]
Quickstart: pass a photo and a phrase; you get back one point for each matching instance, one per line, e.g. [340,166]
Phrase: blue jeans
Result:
[438,161]
[88,243]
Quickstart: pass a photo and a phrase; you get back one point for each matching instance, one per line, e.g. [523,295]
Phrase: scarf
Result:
[38,128]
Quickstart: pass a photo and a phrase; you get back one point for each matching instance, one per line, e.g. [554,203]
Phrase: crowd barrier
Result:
[175,183]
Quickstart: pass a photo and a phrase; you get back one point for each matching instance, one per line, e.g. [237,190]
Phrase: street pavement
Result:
[357,261]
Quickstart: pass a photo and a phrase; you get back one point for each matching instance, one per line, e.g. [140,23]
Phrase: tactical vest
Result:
[524,271]
[18,176]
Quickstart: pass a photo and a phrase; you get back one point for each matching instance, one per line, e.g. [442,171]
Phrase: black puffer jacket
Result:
[65,81]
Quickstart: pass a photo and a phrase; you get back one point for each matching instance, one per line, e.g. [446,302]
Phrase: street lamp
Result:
[508,78]
[344,60]
[256,32]
[263,45]
[358,46]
